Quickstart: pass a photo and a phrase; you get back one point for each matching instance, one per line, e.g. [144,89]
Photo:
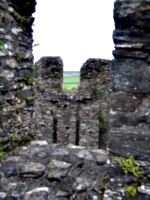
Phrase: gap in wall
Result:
[73,30]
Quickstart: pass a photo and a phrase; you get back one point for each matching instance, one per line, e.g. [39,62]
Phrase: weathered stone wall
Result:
[130,99]
[81,118]
[51,168]
[94,94]
[16,74]
[40,171]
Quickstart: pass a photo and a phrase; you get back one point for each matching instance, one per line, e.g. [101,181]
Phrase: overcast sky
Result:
[75,30]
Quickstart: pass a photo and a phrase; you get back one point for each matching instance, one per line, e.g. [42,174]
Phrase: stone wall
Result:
[130,99]
[16,73]
[42,171]
[49,167]
[80,118]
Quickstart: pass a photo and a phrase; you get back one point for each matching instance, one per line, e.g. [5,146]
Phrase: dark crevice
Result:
[77,136]
[102,131]
[55,130]
[55,122]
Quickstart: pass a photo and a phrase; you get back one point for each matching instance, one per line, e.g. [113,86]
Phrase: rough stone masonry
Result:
[16,72]
[130,99]
[56,146]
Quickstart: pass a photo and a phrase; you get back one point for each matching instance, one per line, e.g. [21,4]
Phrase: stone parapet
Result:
[77,118]
[16,74]
[130,98]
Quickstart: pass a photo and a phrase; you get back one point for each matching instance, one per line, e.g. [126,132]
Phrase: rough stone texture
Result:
[48,76]
[81,118]
[51,168]
[130,100]
[16,59]
[70,172]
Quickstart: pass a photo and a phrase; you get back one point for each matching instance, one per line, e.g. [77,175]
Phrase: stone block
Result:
[130,140]
[125,102]
[131,76]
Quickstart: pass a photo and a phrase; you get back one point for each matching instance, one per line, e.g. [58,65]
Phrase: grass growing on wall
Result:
[70,82]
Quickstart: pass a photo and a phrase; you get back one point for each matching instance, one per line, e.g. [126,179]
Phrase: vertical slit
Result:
[77,136]
[55,121]
[100,136]
[102,131]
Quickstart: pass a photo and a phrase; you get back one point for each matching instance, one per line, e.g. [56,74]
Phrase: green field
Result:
[70,82]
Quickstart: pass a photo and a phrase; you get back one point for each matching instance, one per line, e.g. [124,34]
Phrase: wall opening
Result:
[79,30]
[71,81]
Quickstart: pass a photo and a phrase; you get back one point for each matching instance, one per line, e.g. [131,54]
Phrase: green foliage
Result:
[1,45]
[18,56]
[58,104]
[14,136]
[20,19]
[28,80]
[28,99]
[128,166]
[70,83]
[72,90]
[103,118]
[130,191]
[101,125]
[37,44]
[27,21]
[2,153]
[33,67]
[4,140]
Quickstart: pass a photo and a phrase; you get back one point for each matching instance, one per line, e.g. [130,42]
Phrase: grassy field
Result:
[70,82]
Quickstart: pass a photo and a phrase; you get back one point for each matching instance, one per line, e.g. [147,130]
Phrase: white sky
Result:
[75,30]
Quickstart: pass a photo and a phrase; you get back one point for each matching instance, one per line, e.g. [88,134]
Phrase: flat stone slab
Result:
[32,169]
[131,75]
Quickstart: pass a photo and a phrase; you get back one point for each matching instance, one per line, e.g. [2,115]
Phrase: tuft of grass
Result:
[1,45]
[28,99]
[130,191]
[2,153]
[18,56]
[37,44]
[33,67]
[128,166]
[28,80]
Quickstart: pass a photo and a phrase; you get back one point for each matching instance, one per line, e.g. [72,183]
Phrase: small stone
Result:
[61,193]
[109,195]
[3,195]
[9,168]
[93,195]
[85,154]
[72,146]
[32,169]
[58,169]
[39,142]
[12,63]
[7,74]
[81,184]
[60,152]
[101,159]
[144,189]
[41,193]
[15,195]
